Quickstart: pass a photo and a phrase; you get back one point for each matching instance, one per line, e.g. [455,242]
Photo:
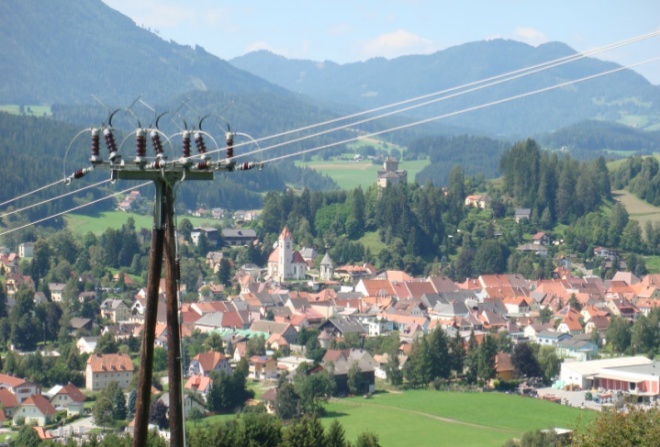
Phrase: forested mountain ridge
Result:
[379,81]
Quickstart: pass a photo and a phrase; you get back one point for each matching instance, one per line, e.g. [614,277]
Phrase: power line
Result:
[470,87]
[469,109]
[74,209]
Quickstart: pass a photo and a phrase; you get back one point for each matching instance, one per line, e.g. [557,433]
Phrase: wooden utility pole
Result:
[165,175]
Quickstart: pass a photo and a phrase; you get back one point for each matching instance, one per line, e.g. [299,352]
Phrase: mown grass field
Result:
[637,209]
[350,174]
[431,418]
[81,224]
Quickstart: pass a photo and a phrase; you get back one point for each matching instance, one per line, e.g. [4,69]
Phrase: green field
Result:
[431,418]
[637,209]
[350,174]
[81,224]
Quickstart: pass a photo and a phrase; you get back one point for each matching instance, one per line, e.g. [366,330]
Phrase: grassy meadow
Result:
[350,174]
[431,418]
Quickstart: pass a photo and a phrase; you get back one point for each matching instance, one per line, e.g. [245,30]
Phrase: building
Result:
[237,237]
[105,368]
[326,268]
[592,373]
[391,174]
[67,396]
[285,263]
[20,388]
[26,250]
[35,410]
[115,310]
[206,362]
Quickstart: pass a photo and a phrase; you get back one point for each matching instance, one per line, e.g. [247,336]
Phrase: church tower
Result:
[285,244]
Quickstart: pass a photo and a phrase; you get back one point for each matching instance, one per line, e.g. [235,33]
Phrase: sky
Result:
[349,31]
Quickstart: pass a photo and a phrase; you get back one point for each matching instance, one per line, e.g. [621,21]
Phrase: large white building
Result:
[638,375]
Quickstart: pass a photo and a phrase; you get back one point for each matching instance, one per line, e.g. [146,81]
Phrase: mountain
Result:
[68,50]
[379,82]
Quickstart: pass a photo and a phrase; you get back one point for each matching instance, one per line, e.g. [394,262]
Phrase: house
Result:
[237,237]
[340,326]
[579,348]
[212,235]
[189,402]
[541,238]
[105,368]
[9,263]
[206,362]
[56,291]
[80,324]
[521,214]
[381,364]
[537,249]
[86,345]
[115,310]
[199,384]
[478,201]
[262,367]
[212,260]
[268,328]
[67,396]
[504,366]
[8,402]
[341,364]
[551,338]
[35,410]
[20,388]
[269,398]
[607,253]
[26,250]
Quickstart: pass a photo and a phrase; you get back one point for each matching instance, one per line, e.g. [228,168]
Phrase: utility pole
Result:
[165,175]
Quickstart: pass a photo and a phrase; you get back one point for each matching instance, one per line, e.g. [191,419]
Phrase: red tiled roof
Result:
[209,360]
[73,392]
[110,362]
[7,399]
[41,403]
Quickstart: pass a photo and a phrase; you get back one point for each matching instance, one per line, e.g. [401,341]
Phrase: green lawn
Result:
[372,241]
[430,418]
[350,174]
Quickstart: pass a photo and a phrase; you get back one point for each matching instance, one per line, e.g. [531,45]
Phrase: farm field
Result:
[637,209]
[431,418]
[350,174]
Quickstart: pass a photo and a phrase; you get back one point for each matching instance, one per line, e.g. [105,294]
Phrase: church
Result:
[285,263]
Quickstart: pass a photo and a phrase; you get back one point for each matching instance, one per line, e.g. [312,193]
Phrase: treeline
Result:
[475,155]
[556,189]
[589,138]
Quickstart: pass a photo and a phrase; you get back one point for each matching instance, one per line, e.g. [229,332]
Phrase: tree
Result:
[486,362]
[132,403]
[418,367]
[537,438]
[314,389]
[158,414]
[634,427]
[224,272]
[524,360]
[354,379]
[102,411]
[619,333]
[548,362]
[472,359]
[286,401]
[490,258]
[457,353]
[119,405]
[367,439]
[106,344]
[439,355]
[645,337]
[27,437]
[336,436]
[393,369]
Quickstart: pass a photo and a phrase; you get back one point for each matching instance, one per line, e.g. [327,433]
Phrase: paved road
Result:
[570,398]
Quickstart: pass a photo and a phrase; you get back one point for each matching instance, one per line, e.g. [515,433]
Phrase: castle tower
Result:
[327,268]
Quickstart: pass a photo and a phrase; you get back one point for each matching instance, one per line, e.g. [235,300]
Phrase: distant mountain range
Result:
[61,53]
[379,82]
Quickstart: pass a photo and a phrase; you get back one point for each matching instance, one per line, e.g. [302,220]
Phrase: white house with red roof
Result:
[35,410]
[205,362]
[67,396]
[20,388]
[284,262]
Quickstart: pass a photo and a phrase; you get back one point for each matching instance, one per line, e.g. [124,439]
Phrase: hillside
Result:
[66,51]
[380,81]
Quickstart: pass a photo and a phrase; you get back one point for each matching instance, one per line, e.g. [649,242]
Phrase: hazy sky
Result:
[348,31]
